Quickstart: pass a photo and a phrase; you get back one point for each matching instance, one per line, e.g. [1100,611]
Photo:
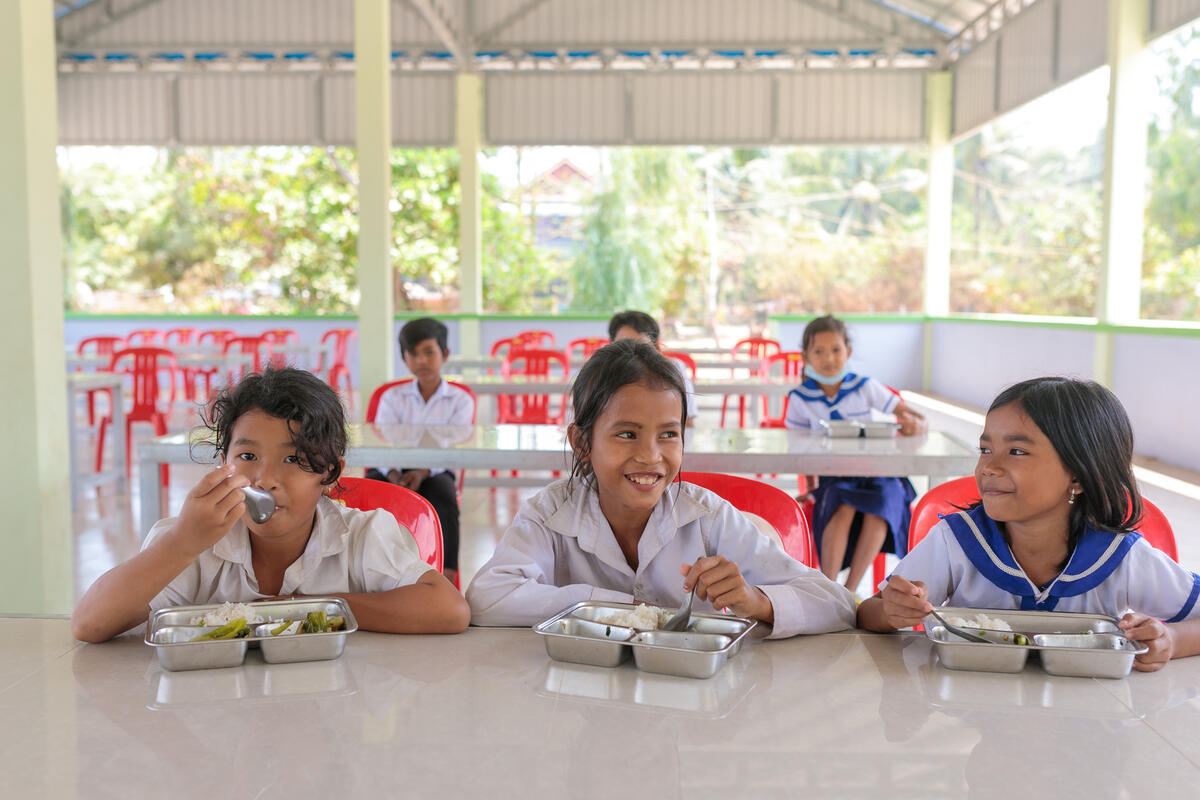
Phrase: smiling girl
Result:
[282,431]
[1055,530]
[622,528]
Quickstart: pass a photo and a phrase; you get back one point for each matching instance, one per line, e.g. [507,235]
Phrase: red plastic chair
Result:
[150,368]
[144,337]
[411,511]
[178,337]
[685,359]
[586,346]
[532,409]
[774,505]
[277,339]
[792,364]
[253,346]
[949,497]
[373,409]
[214,339]
[99,346]
[339,361]
[542,340]
[754,348]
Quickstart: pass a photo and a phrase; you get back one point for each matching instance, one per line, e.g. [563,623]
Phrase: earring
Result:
[1071,498]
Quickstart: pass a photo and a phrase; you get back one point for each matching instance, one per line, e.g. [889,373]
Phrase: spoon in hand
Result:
[260,504]
[970,637]
[680,621]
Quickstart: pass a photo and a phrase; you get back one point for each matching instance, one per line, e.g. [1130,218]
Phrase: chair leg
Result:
[879,570]
[100,443]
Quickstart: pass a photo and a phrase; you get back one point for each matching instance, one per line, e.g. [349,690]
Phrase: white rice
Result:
[979,621]
[227,613]
[643,618]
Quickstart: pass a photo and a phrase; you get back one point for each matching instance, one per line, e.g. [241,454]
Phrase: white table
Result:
[543,447]
[82,476]
[487,714]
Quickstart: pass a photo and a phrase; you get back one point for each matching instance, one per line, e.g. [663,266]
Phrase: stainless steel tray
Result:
[575,635]
[879,429]
[840,428]
[1059,639]
[170,631]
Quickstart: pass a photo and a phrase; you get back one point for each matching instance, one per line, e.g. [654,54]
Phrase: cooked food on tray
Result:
[642,618]
[230,630]
[228,612]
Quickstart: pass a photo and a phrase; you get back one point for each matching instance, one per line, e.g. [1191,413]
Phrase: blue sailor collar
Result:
[811,390]
[1097,555]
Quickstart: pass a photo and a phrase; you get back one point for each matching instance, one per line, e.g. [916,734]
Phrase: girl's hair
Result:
[1090,431]
[621,363]
[640,321]
[826,324]
[296,396]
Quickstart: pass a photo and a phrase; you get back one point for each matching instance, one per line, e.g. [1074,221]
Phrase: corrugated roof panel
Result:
[851,106]
[975,87]
[555,109]
[1082,37]
[1167,15]
[681,108]
[246,109]
[1026,56]
[114,109]
[337,109]
[422,110]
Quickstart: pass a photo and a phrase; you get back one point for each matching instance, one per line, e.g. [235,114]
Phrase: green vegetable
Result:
[230,630]
[281,628]
[1022,639]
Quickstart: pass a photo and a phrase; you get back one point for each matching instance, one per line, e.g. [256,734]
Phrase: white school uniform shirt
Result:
[560,550]
[349,551]
[689,388]
[1146,581]
[857,397]
[403,405]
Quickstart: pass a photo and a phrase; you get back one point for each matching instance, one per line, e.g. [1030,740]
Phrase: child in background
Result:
[642,327]
[617,530]
[1054,530]
[427,400]
[854,518]
[283,431]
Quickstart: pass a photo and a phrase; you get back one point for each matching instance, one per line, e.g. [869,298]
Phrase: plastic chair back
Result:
[532,409]
[178,337]
[950,496]
[151,369]
[373,403]
[756,348]
[685,359]
[216,338]
[144,337]
[787,364]
[100,346]
[277,339]
[586,346]
[252,346]
[774,505]
[339,362]
[535,339]
[412,512]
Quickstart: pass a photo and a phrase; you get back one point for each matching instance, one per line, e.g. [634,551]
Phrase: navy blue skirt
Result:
[889,498]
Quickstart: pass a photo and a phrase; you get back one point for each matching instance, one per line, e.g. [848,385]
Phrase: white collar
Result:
[330,535]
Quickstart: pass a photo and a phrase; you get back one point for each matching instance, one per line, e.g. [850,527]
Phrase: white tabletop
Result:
[521,384]
[487,714]
[543,447]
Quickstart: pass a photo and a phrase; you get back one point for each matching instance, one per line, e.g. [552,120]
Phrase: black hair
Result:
[826,324]
[296,396]
[416,331]
[640,321]
[1089,429]
[621,363]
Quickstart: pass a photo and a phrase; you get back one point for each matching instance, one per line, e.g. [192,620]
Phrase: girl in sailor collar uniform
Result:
[853,517]
[618,530]
[1055,530]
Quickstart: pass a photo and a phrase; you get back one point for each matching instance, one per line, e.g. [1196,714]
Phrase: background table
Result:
[487,714]
[543,447]
[82,475]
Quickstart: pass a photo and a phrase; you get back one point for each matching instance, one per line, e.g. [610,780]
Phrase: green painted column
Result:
[939,98]
[373,140]
[1119,293]
[36,573]
[468,126]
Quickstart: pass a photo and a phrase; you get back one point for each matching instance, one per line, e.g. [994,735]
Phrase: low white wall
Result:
[888,351]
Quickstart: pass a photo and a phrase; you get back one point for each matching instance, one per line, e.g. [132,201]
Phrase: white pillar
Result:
[36,572]
[939,93]
[468,128]
[373,138]
[1130,88]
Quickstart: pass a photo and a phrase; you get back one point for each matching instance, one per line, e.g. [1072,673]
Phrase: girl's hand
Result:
[213,505]
[905,603]
[413,478]
[719,581]
[1153,633]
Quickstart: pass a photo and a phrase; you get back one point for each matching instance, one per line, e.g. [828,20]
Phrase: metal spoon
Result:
[970,637]
[679,622]
[260,504]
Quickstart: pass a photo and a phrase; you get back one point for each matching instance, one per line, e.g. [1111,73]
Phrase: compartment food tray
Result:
[577,635]
[1078,645]
[170,631]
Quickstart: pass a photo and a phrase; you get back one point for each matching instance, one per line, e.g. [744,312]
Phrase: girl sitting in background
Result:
[283,431]
[617,530]
[854,518]
[1054,530]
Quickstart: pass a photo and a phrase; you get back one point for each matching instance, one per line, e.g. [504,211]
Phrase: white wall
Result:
[888,351]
